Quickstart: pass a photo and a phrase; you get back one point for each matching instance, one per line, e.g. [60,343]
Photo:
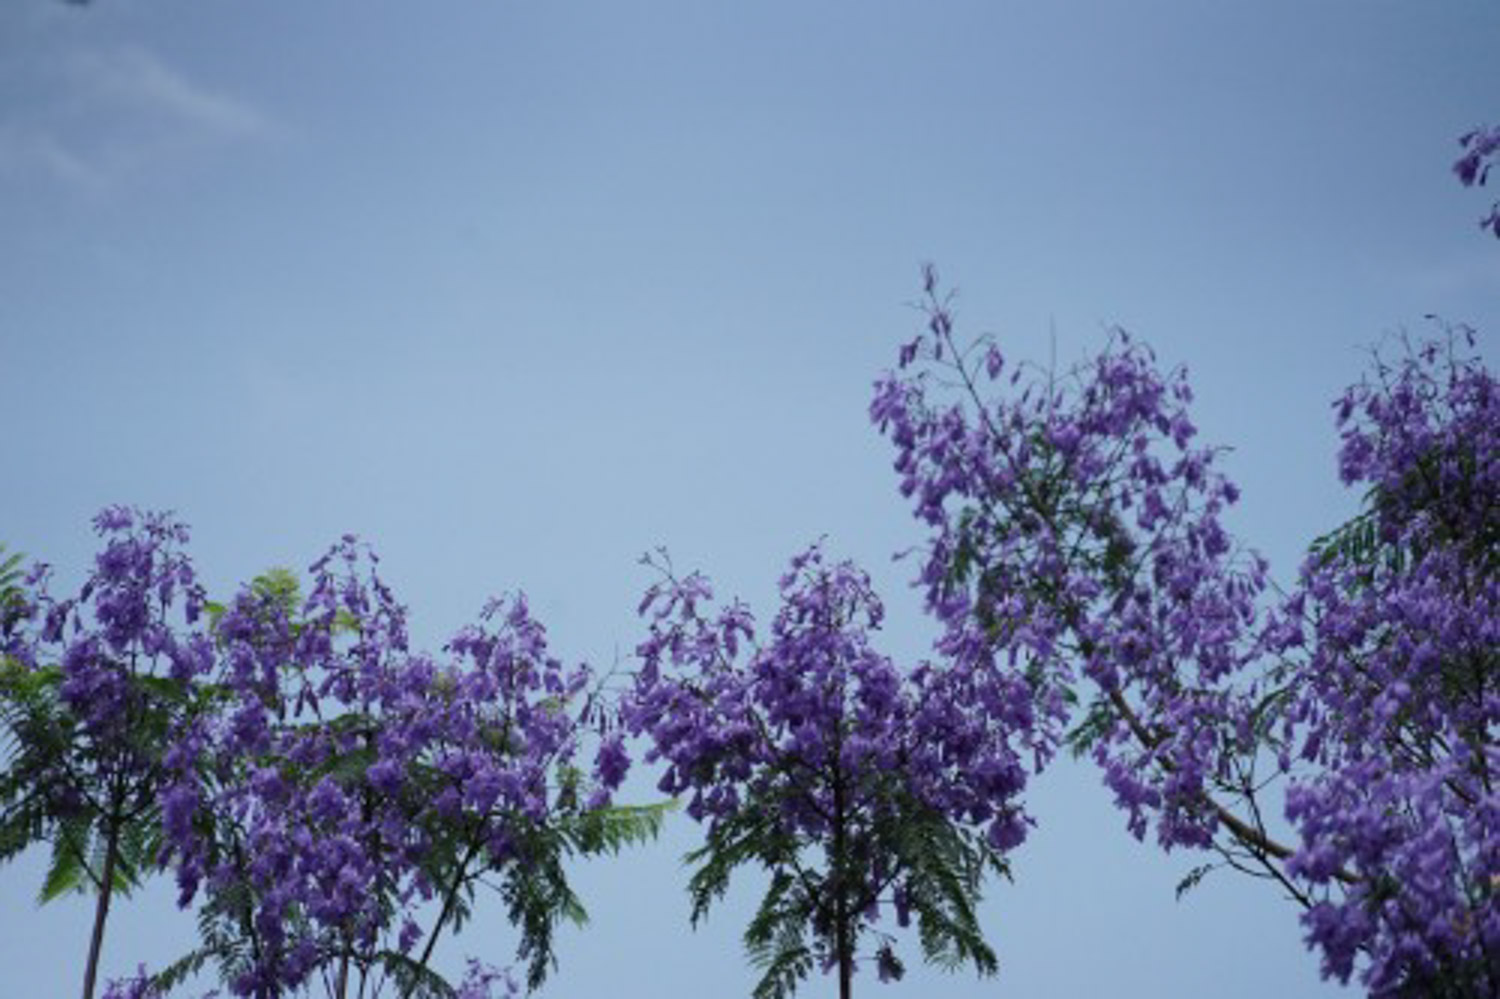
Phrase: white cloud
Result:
[21,149]
[96,116]
[133,78]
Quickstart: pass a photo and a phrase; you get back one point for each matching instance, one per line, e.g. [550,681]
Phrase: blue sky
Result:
[519,290]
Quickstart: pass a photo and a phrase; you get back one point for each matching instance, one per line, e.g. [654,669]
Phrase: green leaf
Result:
[12,598]
[776,938]
[22,824]
[278,586]
[749,835]
[611,829]
[1191,878]
[1096,725]
[947,865]
[413,981]
[538,897]
[67,873]
[174,974]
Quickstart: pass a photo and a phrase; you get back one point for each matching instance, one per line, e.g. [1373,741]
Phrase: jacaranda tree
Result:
[1076,545]
[862,789]
[91,689]
[332,800]
[352,786]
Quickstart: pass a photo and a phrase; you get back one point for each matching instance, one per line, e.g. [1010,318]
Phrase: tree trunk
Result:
[846,968]
[843,918]
[101,907]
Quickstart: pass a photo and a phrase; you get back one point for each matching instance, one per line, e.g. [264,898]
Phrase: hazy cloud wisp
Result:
[96,116]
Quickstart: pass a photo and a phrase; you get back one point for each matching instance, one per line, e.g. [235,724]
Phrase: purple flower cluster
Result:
[120,626]
[312,782]
[1396,700]
[814,743]
[1481,149]
[137,986]
[1076,547]
[347,780]
[481,981]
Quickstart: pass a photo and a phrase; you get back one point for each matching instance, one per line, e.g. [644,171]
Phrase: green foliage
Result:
[32,735]
[67,871]
[940,864]
[78,861]
[753,834]
[180,970]
[776,939]
[1355,540]
[537,897]
[1191,879]
[412,978]
[611,829]
[947,865]
[42,799]
[1096,724]
[278,587]
[277,591]
[1357,543]
[12,597]
[1440,477]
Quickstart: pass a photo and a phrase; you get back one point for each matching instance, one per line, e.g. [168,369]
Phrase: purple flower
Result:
[612,763]
[1481,148]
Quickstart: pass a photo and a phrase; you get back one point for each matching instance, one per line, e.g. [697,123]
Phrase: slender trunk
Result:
[846,967]
[844,942]
[101,906]
[436,929]
[448,903]
[366,812]
[843,937]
